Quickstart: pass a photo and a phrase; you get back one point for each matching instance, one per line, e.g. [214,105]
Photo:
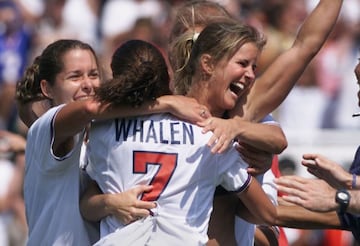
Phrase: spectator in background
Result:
[335,64]
[115,28]
[58,19]
[281,22]
[13,228]
[14,46]
[318,196]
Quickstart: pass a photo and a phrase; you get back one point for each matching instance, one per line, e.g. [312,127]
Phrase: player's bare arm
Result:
[276,82]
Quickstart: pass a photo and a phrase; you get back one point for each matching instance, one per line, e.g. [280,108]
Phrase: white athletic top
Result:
[173,156]
[51,188]
[244,231]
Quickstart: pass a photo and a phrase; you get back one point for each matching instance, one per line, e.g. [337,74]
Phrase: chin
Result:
[230,106]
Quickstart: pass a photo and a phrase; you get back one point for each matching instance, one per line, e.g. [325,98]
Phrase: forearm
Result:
[159,105]
[266,236]
[75,116]
[269,138]
[95,208]
[94,204]
[354,206]
[273,86]
[258,203]
[317,27]
[298,217]
[243,212]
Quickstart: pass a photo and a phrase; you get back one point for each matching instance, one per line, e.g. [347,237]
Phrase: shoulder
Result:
[44,121]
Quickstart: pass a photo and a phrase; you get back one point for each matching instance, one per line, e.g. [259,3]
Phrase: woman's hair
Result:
[139,74]
[220,40]
[191,17]
[46,67]
[196,13]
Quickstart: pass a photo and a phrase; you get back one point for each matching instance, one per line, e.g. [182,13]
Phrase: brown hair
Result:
[196,13]
[46,67]
[219,40]
[190,19]
[139,74]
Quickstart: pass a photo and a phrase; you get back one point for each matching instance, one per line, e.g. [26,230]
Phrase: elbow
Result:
[279,146]
[282,146]
[269,217]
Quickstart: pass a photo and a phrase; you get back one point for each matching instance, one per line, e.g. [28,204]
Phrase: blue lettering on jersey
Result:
[121,129]
[151,133]
[162,140]
[188,133]
[154,132]
[138,128]
[174,133]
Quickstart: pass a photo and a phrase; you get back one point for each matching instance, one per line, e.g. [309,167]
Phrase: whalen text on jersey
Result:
[178,132]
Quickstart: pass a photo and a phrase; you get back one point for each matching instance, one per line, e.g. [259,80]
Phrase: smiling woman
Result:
[65,75]
[222,60]
[66,71]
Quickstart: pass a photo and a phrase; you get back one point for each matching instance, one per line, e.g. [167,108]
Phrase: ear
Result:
[46,89]
[207,65]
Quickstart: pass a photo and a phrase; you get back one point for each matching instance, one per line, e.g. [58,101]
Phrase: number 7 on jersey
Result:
[167,164]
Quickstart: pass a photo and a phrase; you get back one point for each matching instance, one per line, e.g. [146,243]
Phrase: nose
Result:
[250,73]
[87,86]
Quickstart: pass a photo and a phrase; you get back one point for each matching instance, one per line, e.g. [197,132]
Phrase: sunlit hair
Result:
[198,13]
[46,67]
[139,74]
[219,40]
[190,19]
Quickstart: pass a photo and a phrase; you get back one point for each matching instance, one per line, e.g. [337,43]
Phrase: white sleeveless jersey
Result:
[172,155]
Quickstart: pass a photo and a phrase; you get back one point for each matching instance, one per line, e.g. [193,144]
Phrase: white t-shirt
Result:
[173,156]
[51,188]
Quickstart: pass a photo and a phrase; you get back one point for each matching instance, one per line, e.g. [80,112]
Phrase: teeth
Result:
[83,98]
[239,85]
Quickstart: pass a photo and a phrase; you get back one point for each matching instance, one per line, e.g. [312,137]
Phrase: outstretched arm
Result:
[330,171]
[293,216]
[276,82]
[314,194]
[75,116]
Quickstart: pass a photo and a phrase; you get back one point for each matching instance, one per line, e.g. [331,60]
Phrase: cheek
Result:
[96,83]
[66,94]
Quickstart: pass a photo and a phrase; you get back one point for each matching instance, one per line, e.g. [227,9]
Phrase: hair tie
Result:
[195,36]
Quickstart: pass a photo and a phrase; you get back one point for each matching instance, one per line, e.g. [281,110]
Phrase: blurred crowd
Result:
[323,97]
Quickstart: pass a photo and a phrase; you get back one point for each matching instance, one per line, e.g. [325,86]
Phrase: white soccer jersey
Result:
[51,189]
[244,231]
[173,156]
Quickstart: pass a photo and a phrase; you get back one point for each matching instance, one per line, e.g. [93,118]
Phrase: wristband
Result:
[353,183]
